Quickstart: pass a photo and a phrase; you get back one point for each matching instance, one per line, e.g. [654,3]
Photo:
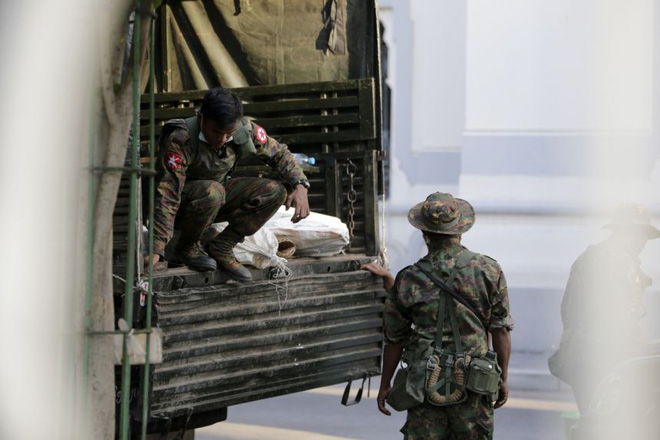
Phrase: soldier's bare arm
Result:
[378,270]
[391,358]
[502,346]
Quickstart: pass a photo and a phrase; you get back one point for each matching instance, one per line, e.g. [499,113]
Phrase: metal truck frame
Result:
[225,343]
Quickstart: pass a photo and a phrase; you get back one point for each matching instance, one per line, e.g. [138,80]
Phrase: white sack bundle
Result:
[318,235]
[258,250]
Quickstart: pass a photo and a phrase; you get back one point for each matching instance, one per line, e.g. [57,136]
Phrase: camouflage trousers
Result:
[245,202]
[470,420]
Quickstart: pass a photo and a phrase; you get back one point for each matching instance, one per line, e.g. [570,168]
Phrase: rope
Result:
[383,238]
[460,375]
[280,272]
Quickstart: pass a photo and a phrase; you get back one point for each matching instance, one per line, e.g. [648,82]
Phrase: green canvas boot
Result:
[193,256]
[222,249]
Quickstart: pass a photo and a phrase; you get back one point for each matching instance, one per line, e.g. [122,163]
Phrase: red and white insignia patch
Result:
[262,137]
[173,161]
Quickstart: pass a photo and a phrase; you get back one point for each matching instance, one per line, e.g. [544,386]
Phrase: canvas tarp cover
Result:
[236,43]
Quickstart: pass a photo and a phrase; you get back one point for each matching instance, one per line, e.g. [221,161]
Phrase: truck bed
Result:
[226,343]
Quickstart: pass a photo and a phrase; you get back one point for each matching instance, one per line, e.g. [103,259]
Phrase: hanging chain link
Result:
[351,196]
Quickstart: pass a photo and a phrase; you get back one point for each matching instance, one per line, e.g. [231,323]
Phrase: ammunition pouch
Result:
[408,389]
[442,378]
[484,375]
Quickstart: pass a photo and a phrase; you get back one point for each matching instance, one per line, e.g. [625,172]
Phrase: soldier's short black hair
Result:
[222,106]
[435,240]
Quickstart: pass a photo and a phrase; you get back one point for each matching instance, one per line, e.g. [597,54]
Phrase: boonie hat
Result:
[633,216]
[442,213]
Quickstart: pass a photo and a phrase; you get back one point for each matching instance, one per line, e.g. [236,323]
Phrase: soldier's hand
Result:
[298,199]
[383,392]
[503,395]
[378,270]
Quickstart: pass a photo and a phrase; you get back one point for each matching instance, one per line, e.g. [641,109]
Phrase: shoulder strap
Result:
[440,323]
[465,257]
[242,140]
[168,128]
[461,262]
[193,130]
[442,285]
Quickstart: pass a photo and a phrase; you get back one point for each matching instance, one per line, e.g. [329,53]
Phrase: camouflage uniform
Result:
[194,186]
[603,303]
[607,285]
[414,300]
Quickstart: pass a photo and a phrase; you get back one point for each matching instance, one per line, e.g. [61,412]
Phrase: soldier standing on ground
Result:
[412,308]
[602,305]
[195,187]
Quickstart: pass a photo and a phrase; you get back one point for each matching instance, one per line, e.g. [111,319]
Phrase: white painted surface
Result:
[528,70]
[564,65]
[438,74]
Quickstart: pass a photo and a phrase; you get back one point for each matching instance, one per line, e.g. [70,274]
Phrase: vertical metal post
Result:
[150,269]
[132,215]
[90,263]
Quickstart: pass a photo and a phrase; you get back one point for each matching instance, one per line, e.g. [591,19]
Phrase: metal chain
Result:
[351,196]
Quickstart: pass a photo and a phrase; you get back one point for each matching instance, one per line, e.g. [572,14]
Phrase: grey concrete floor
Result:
[318,415]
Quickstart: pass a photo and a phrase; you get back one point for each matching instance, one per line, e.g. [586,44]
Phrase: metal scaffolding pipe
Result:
[150,270]
[132,216]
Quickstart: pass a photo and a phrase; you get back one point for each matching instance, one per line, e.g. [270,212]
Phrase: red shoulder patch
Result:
[262,137]
[173,161]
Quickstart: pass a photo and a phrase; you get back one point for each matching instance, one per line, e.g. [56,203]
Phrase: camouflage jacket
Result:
[414,300]
[184,157]
[603,301]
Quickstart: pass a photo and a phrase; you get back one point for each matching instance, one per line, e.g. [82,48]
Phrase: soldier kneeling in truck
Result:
[194,186]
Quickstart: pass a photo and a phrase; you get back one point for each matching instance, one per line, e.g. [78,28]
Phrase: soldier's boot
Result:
[193,256]
[222,249]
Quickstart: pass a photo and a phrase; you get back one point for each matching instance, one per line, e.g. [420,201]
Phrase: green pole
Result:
[150,269]
[90,263]
[132,216]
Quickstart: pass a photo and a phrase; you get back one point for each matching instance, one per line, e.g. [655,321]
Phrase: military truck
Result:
[309,73]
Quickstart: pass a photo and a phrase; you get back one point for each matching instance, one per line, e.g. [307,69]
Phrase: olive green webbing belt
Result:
[443,310]
[444,383]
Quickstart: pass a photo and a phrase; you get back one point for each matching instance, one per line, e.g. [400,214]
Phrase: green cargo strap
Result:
[441,383]
[442,303]
[193,132]
[462,260]
[454,328]
[448,381]
[243,141]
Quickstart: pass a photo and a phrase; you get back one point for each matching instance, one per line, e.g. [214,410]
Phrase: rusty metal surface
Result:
[233,343]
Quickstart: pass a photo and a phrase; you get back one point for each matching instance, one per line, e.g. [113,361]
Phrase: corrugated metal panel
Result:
[234,343]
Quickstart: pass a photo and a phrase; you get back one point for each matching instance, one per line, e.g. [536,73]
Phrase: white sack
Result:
[258,250]
[318,235]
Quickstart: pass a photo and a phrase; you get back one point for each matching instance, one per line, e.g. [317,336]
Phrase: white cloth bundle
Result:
[318,235]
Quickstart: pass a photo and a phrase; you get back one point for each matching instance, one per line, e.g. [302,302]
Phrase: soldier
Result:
[412,308]
[603,303]
[195,187]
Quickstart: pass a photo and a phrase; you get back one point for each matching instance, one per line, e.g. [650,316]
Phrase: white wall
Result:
[547,113]
[439,74]
[559,66]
